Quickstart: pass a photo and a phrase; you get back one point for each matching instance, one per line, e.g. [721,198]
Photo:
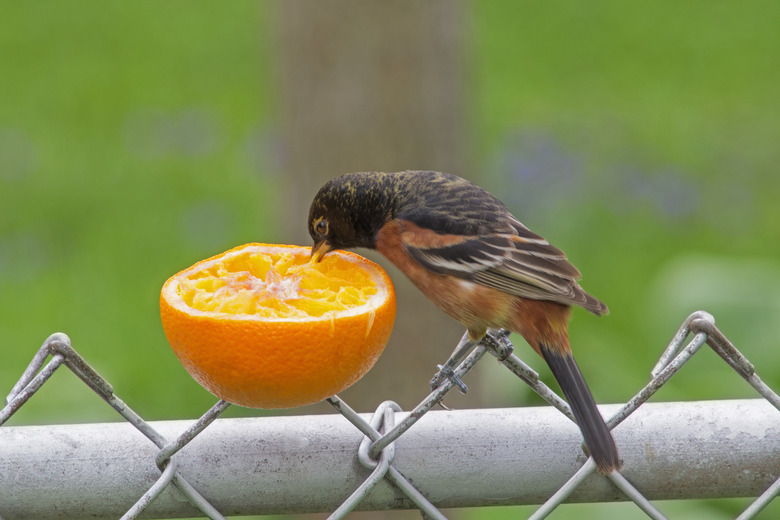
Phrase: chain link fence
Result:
[457,459]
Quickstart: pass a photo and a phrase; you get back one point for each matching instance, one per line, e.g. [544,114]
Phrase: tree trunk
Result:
[374,85]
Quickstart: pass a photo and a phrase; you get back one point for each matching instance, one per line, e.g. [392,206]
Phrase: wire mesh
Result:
[377,450]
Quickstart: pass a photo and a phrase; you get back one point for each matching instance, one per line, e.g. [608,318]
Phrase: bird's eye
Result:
[321,227]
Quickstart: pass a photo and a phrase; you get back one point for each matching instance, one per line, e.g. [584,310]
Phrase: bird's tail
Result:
[597,436]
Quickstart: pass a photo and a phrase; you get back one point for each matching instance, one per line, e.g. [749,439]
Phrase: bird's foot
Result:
[446,373]
[500,345]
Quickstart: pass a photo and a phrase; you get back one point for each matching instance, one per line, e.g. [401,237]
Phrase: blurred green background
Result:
[136,139]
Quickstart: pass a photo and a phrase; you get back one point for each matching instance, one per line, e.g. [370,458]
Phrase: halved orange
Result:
[262,327]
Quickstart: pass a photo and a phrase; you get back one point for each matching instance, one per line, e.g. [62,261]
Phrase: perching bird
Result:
[466,252]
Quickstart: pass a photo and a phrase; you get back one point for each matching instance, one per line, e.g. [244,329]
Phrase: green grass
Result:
[640,138]
[133,137]
[633,136]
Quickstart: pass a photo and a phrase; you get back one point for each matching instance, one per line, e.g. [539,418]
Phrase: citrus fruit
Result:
[262,327]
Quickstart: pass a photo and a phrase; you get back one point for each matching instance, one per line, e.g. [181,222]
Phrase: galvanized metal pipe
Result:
[455,458]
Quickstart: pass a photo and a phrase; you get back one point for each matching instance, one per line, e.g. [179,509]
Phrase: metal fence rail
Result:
[306,463]
[449,458]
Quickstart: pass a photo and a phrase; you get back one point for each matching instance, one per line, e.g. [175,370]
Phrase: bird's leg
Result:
[500,346]
[446,371]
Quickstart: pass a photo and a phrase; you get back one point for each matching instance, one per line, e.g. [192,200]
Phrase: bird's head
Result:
[348,212]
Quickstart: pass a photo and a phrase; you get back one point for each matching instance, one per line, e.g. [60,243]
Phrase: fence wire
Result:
[377,451]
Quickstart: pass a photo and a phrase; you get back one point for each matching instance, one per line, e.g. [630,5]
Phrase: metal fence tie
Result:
[383,419]
[393,474]
[429,402]
[383,416]
[357,496]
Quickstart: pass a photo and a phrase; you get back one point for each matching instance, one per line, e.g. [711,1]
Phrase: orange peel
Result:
[262,327]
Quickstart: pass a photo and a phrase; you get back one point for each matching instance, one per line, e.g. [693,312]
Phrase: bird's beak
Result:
[318,251]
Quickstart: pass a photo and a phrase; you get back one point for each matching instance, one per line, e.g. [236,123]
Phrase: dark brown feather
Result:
[466,252]
[451,226]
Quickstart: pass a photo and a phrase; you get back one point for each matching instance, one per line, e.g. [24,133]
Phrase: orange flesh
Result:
[277,285]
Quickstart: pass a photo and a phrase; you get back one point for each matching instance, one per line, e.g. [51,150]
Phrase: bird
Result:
[465,251]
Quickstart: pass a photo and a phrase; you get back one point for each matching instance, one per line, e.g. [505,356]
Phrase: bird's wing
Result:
[513,260]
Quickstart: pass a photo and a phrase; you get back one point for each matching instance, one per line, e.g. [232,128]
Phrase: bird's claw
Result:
[501,347]
[446,373]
